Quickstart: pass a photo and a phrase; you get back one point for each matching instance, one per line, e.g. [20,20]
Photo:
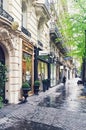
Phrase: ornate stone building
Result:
[23,32]
[27,46]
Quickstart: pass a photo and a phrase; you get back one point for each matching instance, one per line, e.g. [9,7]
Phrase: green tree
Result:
[3,78]
[73,29]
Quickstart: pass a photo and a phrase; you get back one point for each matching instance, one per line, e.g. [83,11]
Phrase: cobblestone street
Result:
[50,110]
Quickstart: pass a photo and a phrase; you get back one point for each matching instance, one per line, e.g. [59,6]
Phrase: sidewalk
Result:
[12,113]
[18,117]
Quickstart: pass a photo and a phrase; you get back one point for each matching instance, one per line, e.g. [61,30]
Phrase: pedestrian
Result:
[64,80]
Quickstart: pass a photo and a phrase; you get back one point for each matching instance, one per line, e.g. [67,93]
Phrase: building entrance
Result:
[2,61]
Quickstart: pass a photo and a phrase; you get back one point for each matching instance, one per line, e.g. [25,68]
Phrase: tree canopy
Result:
[73,29]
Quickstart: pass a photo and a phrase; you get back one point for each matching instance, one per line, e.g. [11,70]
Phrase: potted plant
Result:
[1,104]
[44,81]
[36,86]
[26,88]
[3,80]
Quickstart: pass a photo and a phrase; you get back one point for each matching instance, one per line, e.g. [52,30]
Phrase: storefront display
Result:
[27,64]
[42,72]
[27,67]
[53,74]
[43,69]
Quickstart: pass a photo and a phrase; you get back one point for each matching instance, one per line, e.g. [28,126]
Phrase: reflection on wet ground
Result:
[68,115]
[69,99]
[32,126]
[54,101]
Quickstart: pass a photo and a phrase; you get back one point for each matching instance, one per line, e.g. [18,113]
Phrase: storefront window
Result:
[53,74]
[43,69]
[27,68]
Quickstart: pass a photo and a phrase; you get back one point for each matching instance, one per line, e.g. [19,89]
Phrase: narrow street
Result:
[55,109]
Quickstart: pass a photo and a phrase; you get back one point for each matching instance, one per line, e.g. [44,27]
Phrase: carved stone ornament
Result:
[41,11]
[4,33]
[15,25]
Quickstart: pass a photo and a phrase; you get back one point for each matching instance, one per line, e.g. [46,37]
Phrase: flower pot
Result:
[36,86]
[25,88]
[36,89]
[25,93]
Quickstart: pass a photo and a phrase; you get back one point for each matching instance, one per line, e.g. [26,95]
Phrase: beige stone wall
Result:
[15,72]
[15,10]
[13,47]
[32,24]
[12,51]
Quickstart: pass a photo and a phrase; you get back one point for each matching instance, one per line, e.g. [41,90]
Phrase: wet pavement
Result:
[59,108]
[70,99]
[32,126]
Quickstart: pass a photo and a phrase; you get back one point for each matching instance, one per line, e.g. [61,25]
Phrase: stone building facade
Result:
[25,45]
[23,29]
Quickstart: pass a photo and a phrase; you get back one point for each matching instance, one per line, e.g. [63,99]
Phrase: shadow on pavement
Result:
[32,126]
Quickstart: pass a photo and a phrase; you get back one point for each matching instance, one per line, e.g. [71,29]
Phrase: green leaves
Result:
[3,79]
[3,72]
[73,29]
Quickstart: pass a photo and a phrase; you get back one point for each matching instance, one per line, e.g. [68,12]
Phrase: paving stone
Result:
[14,117]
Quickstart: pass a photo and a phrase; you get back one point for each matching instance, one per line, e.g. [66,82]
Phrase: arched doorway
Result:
[2,60]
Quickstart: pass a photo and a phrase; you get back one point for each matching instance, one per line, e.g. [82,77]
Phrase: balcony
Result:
[64,50]
[42,9]
[42,3]
[25,31]
[6,15]
[54,32]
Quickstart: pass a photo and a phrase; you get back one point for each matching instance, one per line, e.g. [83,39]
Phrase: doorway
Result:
[2,61]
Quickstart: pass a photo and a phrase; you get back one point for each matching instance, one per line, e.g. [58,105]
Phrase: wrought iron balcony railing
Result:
[6,15]
[54,30]
[25,31]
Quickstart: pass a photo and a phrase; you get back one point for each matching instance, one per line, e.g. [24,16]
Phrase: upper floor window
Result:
[5,5]
[24,14]
[1,3]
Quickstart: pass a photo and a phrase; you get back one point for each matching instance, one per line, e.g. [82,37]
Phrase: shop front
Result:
[53,74]
[27,65]
[41,67]
[57,73]
[42,72]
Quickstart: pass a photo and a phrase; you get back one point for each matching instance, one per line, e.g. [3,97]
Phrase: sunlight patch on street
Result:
[82,97]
